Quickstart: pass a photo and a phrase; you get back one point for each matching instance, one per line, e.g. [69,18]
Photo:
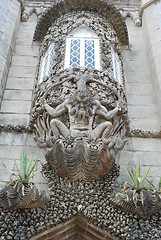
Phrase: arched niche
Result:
[102,8]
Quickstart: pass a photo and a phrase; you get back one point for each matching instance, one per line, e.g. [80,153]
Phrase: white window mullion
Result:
[97,54]
[116,66]
[82,52]
[47,62]
[82,49]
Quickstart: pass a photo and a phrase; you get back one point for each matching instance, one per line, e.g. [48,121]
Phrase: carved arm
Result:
[102,111]
[58,111]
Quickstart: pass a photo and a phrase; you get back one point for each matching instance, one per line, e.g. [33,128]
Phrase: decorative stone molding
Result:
[16,128]
[102,8]
[29,9]
[143,134]
[129,133]
[22,4]
[146,5]
[134,15]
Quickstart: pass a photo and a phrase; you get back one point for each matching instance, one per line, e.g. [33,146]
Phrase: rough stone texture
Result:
[89,201]
[73,147]
[62,27]
[10,17]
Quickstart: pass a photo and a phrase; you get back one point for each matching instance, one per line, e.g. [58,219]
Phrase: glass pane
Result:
[75,53]
[89,54]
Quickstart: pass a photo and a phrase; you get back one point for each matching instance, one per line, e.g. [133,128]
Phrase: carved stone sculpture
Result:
[147,203]
[22,196]
[81,134]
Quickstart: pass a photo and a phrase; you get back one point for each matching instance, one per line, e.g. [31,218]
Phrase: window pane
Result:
[75,53]
[89,54]
[47,62]
[116,66]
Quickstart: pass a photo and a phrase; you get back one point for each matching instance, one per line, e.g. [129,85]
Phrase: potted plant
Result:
[21,192]
[136,197]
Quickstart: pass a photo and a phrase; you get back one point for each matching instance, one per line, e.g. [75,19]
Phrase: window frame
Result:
[116,65]
[82,50]
[47,59]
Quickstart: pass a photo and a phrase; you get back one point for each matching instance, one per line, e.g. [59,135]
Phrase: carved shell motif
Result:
[144,205]
[23,196]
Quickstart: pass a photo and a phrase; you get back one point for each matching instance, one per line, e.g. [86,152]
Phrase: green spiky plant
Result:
[137,181]
[24,172]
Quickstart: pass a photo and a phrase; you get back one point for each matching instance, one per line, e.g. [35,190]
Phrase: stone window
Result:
[116,65]
[82,49]
[47,61]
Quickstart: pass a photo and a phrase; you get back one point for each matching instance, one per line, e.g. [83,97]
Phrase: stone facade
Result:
[22,47]
[9,22]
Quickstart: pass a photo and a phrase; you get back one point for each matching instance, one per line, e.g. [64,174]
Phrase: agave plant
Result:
[137,181]
[21,192]
[25,172]
[137,197]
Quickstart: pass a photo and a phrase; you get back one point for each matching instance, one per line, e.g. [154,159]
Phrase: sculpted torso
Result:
[81,109]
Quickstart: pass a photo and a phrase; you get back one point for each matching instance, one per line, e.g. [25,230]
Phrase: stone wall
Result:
[12,144]
[152,29]
[16,104]
[9,21]
[141,71]
[17,100]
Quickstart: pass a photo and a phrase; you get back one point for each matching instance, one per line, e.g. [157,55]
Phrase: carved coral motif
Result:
[78,123]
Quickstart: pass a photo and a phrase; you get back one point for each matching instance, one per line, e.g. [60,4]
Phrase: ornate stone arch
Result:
[65,24]
[102,8]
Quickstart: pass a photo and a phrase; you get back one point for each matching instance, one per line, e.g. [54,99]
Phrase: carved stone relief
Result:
[102,8]
[78,121]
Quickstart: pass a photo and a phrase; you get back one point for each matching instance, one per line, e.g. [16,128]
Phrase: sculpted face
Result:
[82,97]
